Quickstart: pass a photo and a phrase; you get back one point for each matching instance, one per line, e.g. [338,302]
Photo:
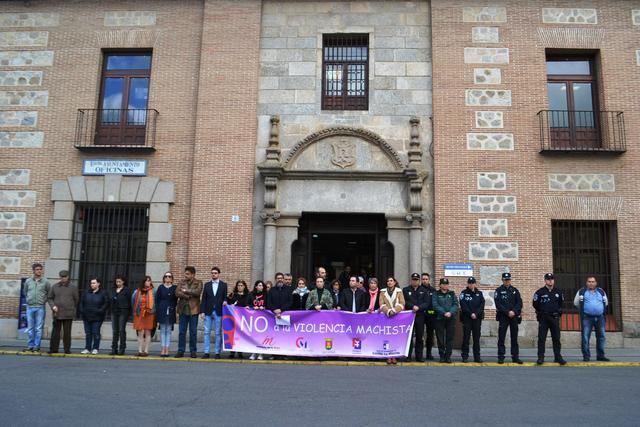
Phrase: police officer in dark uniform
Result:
[429,317]
[547,302]
[415,299]
[508,314]
[471,315]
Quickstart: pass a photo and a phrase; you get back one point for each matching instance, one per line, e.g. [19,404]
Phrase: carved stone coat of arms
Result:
[344,153]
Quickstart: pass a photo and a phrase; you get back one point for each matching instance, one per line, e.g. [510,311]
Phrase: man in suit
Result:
[214,296]
[353,299]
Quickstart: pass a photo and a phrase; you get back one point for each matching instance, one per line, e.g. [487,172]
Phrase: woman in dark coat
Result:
[93,308]
[120,310]
[166,302]
[300,295]
[240,297]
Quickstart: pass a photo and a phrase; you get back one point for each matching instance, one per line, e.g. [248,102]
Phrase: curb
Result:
[613,364]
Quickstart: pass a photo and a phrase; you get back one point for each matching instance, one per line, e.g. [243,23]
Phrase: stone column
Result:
[269,243]
[287,234]
[415,243]
[398,235]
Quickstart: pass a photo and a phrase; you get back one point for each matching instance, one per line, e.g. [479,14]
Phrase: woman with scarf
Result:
[374,302]
[258,302]
[300,295]
[166,302]
[144,317]
[391,303]
[319,298]
[239,297]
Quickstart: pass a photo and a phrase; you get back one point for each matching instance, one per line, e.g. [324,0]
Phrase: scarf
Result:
[149,306]
[301,291]
[373,296]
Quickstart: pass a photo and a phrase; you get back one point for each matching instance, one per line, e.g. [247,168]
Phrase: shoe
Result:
[94,351]
[231,356]
[465,359]
[121,353]
[52,352]
[442,360]
[389,362]
[448,360]
[429,357]
[517,360]
[113,353]
[586,359]
[37,350]
[603,359]
[560,361]
[85,351]
[539,361]
[205,356]
[179,354]
[419,360]
[260,357]
[164,355]
[139,354]
[395,361]
[500,361]
[194,355]
[67,352]
[27,349]
[240,356]
[478,360]
[217,356]
[252,357]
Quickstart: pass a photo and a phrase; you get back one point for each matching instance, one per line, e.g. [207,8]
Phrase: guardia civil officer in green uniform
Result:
[445,304]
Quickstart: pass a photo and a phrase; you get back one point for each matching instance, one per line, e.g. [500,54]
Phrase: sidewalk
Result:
[618,356]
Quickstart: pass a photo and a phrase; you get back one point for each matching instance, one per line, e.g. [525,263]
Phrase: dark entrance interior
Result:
[335,241]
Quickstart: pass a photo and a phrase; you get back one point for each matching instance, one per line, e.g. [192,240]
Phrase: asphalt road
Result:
[44,391]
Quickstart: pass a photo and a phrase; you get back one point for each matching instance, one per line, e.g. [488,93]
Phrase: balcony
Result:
[582,131]
[108,129]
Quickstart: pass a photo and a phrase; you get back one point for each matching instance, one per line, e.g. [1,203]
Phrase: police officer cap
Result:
[471,280]
[548,276]
[415,276]
[506,276]
[444,281]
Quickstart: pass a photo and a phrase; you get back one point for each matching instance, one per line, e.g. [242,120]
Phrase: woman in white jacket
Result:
[391,303]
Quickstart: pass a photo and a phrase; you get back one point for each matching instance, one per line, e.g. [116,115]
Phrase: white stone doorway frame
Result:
[65,194]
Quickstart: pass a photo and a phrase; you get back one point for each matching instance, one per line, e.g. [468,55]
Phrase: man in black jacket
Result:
[471,315]
[547,302]
[280,297]
[508,314]
[353,298]
[214,296]
[417,300]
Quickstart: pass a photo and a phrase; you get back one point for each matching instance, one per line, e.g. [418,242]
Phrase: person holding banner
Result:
[258,302]
[300,294]
[445,305]
[319,298]
[374,301]
[37,291]
[240,298]
[353,299]
[391,303]
[279,298]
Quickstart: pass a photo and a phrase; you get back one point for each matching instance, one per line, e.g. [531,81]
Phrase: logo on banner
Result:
[328,343]
[268,343]
[356,343]
[386,346]
[301,343]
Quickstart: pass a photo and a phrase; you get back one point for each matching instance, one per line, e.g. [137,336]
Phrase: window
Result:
[345,64]
[582,248]
[124,95]
[109,239]
[571,87]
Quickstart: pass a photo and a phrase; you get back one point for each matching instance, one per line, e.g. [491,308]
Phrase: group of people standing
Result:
[191,300]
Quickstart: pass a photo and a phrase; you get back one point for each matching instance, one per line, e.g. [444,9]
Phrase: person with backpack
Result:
[592,303]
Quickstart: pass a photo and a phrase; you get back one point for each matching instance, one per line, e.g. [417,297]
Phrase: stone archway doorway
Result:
[336,241]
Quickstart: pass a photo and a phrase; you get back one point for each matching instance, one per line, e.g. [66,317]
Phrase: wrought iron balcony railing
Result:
[580,131]
[116,128]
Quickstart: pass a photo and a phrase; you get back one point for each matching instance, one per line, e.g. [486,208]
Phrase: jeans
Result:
[165,334]
[589,323]
[187,321]
[92,334]
[35,323]
[119,327]
[217,320]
